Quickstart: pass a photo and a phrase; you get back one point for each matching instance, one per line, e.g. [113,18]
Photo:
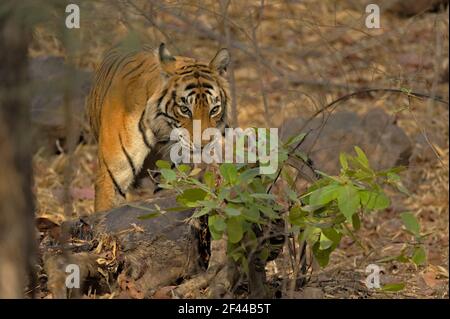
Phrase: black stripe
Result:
[166,115]
[104,77]
[207,86]
[187,70]
[203,70]
[191,86]
[207,77]
[116,185]
[132,78]
[133,69]
[158,103]
[141,129]
[127,155]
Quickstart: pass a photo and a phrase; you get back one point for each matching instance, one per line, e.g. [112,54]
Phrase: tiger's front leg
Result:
[120,160]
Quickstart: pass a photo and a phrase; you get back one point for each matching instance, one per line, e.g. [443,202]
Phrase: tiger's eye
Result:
[214,110]
[185,110]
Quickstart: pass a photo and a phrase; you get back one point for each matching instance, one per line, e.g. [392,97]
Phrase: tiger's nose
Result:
[206,125]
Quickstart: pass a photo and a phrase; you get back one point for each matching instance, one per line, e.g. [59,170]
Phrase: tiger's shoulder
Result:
[121,73]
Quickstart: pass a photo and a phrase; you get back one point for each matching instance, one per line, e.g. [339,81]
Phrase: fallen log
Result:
[125,253]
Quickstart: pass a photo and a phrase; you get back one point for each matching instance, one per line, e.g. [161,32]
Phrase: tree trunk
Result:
[17,238]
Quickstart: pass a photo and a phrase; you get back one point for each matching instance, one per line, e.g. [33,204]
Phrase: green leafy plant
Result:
[238,201]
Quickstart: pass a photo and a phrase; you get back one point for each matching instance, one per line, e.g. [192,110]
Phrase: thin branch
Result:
[224,5]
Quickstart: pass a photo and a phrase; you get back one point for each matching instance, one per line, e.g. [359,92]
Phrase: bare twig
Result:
[259,59]
[224,5]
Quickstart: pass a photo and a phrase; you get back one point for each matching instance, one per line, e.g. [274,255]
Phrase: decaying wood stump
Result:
[151,252]
[120,249]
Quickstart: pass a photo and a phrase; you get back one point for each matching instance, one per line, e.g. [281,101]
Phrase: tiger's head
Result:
[192,90]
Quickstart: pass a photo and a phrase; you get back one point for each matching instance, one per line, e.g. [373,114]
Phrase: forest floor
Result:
[322,52]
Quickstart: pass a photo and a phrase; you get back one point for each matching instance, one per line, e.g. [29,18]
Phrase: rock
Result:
[411,8]
[49,75]
[385,144]
[404,8]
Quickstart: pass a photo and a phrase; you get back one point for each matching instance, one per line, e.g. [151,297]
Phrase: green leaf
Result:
[208,203]
[234,229]
[218,223]
[209,179]
[201,212]
[297,216]
[257,186]
[324,195]
[372,200]
[183,168]
[332,235]
[235,253]
[195,171]
[252,214]
[295,139]
[263,196]
[356,222]
[322,255]
[150,215]
[343,161]
[168,174]
[395,179]
[191,196]
[216,226]
[393,287]
[362,158]
[419,256]
[165,186]
[291,195]
[325,242]
[229,173]
[348,201]
[248,175]
[175,209]
[231,211]
[411,223]
[163,164]
[224,193]
[311,234]
[268,211]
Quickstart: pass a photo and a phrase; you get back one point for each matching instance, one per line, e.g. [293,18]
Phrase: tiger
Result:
[137,99]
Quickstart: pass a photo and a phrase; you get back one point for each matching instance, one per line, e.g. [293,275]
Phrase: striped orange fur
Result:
[137,98]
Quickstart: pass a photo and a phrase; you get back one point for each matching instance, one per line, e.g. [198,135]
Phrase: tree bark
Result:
[17,238]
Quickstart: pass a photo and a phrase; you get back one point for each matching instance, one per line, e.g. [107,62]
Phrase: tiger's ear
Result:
[165,57]
[220,61]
